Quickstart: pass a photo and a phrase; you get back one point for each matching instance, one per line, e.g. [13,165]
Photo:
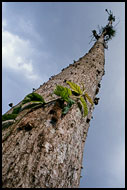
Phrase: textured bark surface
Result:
[40,154]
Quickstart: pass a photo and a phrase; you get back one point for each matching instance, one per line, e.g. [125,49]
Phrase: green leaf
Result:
[63,92]
[84,106]
[16,110]
[66,108]
[8,116]
[75,87]
[70,101]
[33,97]
[89,99]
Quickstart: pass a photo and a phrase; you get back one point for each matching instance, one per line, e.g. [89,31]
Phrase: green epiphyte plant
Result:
[63,92]
[67,108]
[89,98]
[66,94]
[33,97]
[16,110]
[75,87]
[83,95]
[84,104]
[8,116]
[108,31]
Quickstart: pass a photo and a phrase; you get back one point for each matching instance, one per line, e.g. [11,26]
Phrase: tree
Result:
[43,136]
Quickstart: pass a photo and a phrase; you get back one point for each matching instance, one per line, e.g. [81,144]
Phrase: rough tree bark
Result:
[38,154]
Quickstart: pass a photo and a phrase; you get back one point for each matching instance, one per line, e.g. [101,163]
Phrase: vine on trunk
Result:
[108,31]
[68,96]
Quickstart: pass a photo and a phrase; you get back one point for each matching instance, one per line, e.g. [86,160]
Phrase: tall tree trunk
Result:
[40,154]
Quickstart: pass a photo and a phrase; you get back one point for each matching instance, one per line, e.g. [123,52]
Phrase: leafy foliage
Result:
[84,106]
[34,100]
[8,116]
[63,92]
[109,32]
[66,108]
[88,97]
[111,18]
[16,110]
[33,97]
[81,94]
[108,29]
[75,87]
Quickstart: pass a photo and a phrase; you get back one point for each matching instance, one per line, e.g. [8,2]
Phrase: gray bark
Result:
[40,154]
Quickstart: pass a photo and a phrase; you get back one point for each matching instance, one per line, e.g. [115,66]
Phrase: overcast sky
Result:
[38,40]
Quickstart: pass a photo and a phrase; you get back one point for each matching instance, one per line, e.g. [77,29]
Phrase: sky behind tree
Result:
[39,39]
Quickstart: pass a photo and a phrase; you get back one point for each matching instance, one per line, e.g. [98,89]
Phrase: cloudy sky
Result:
[38,40]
